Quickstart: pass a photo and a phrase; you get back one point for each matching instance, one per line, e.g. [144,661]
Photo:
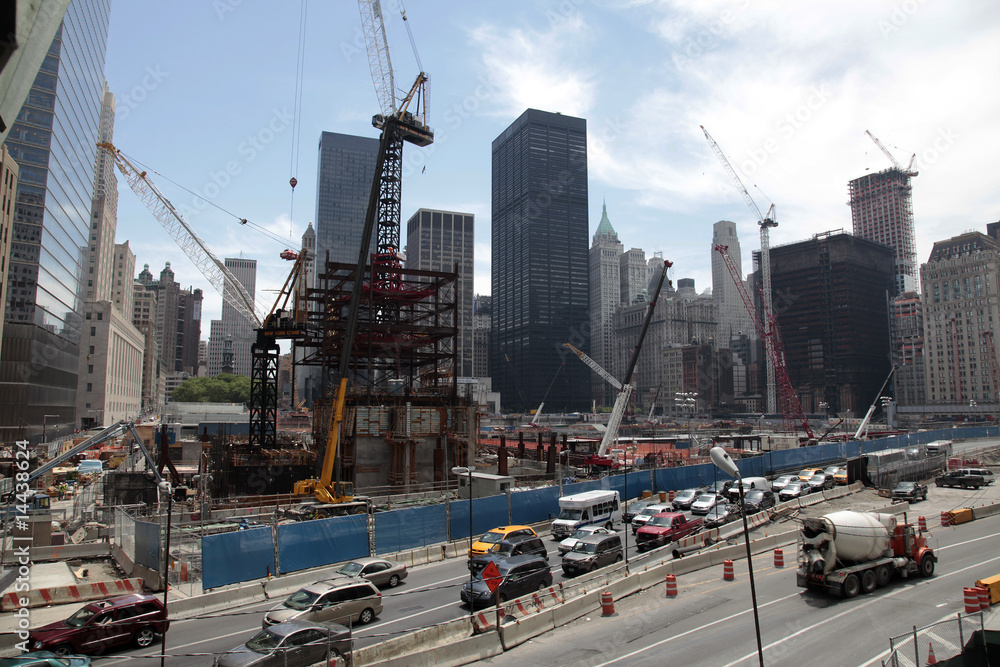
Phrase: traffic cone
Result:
[931,660]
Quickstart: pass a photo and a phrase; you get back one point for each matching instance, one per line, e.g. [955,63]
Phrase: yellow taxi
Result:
[840,477]
[489,541]
[804,475]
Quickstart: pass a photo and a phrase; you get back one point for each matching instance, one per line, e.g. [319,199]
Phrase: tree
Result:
[223,388]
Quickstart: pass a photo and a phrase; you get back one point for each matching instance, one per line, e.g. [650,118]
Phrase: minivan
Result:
[338,600]
[749,484]
[520,575]
[593,552]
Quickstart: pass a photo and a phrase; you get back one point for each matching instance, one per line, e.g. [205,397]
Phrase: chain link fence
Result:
[942,640]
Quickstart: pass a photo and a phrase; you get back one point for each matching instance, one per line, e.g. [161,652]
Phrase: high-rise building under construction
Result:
[882,211]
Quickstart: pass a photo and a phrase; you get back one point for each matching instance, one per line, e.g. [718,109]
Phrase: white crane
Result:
[608,377]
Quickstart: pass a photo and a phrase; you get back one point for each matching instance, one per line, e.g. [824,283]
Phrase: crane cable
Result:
[297,112]
[243,221]
[413,44]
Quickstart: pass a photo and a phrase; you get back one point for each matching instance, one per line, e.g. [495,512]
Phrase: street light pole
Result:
[165,487]
[463,470]
[724,462]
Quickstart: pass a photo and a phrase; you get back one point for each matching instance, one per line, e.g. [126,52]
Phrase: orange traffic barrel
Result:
[984,597]
[779,558]
[671,586]
[607,604]
[727,570]
[971,600]
[921,523]
[945,519]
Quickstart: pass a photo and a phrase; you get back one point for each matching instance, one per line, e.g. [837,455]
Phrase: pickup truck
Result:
[664,528]
[956,478]
[911,491]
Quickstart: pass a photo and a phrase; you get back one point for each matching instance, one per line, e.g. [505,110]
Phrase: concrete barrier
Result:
[63,552]
[577,607]
[523,629]
[986,510]
[419,641]
[42,597]
[459,652]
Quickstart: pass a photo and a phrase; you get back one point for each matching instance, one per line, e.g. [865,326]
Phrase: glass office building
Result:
[53,141]
[346,171]
[540,272]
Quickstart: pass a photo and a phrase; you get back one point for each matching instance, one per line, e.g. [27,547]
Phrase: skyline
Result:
[790,118]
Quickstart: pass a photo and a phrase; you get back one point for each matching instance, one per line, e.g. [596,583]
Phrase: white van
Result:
[582,509]
[749,483]
[985,473]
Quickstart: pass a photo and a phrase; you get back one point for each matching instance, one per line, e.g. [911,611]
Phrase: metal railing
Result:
[946,639]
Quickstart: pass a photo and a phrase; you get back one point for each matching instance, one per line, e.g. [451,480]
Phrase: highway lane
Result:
[711,621]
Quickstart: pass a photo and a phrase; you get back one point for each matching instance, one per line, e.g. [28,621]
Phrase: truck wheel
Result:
[851,586]
[868,581]
[882,575]
[927,566]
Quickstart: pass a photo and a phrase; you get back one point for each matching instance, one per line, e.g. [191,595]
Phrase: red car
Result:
[98,626]
[664,528]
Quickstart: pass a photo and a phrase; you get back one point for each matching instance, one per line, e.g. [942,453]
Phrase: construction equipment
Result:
[909,168]
[652,404]
[765,222]
[621,402]
[863,426]
[398,124]
[791,407]
[608,377]
[106,434]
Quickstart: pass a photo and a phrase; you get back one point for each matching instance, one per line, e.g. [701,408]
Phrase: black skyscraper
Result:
[540,276]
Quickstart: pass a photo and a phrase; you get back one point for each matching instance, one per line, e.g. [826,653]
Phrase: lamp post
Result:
[165,488]
[688,401]
[724,462]
[886,402]
[463,470]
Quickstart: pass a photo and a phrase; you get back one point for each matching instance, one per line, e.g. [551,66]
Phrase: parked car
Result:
[912,491]
[383,573]
[783,481]
[703,503]
[338,600]
[637,507]
[985,473]
[45,659]
[581,533]
[98,626]
[794,490]
[757,500]
[721,487]
[520,575]
[488,542]
[517,546]
[956,478]
[593,552]
[820,482]
[683,499]
[640,519]
[720,515]
[294,643]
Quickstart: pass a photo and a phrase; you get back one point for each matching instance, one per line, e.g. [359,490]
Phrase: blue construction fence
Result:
[250,554]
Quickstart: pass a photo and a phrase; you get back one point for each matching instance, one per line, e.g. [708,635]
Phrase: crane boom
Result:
[373,27]
[232,290]
[909,169]
[608,377]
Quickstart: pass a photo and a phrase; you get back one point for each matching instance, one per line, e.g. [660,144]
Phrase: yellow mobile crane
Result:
[398,124]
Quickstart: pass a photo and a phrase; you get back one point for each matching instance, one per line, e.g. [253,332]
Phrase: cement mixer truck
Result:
[846,553]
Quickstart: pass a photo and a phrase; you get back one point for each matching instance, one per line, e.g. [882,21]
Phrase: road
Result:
[710,623]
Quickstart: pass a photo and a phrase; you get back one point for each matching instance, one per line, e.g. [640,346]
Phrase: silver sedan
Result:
[383,573]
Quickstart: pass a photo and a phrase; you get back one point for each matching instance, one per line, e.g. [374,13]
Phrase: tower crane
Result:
[909,168]
[765,222]
[791,407]
[398,124]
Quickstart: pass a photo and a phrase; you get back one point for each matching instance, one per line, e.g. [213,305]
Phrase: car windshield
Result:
[832,470]
[784,479]
[755,495]
[707,498]
[793,487]
[80,617]
[585,548]
[717,512]
[660,521]
[904,486]
[638,507]
[806,473]
[351,569]
[685,495]
[582,533]
[301,599]
[651,511]
[493,537]
[571,515]
[818,478]
[264,641]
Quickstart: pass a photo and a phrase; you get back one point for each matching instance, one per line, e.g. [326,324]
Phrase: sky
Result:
[215,102]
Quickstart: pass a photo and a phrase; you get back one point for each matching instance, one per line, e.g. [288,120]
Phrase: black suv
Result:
[756,500]
[956,478]
[520,575]
[593,552]
[519,546]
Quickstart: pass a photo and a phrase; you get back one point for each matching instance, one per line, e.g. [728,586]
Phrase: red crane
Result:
[791,408]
